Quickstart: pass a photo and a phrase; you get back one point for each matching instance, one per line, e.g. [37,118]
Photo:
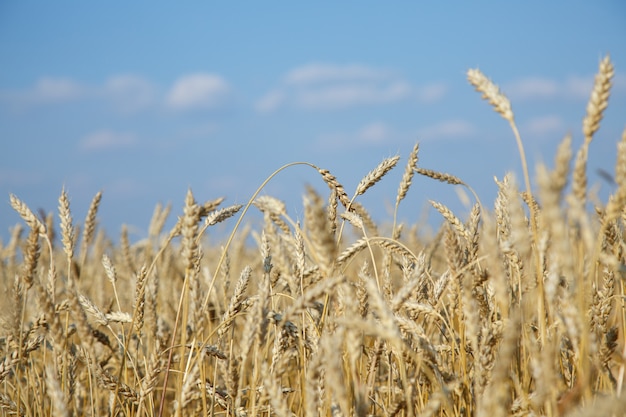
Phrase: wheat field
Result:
[517,310]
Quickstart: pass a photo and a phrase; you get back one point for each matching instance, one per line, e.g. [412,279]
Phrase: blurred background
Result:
[144,99]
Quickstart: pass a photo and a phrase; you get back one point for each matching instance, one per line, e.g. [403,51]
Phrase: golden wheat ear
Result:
[90,227]
[27,215]
[599,100]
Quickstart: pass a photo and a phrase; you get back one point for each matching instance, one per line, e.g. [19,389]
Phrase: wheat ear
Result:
[599,99]
[333,184]
[90,227]
[27,215]
[376,174]
[323,245]
[407,176]
[67,230]
[57,397]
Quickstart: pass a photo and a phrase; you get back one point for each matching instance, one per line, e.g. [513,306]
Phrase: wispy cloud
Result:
[374,133]
[432,93]
[202,130]
[199,90]
[56,89]
[124,187]
[327,86]
[577,87]
[369,135]
[130,93]
[545,125]
[542,88]
[454,128]
[270,101]
[348,95]
[107,140]
[225,184]
[20,177]
[47,90]
[319,73]
[126,93]
[532,88]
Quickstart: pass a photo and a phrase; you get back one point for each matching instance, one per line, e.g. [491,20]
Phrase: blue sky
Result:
[143,100]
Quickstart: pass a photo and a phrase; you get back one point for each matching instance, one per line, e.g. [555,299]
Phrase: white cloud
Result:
[47,90]
[578,87]
[201,130]
[374,133]
[447,129]
[317,73]
[270,102]
[432,93]
[125,187]
[573,87]
[348,95]
[106,140]
[225,184]
[126,93]
[56,90]
[371,134]
[327,86]
[129,93]
[532,88]
[199,90]
[545,125]
[20,177]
